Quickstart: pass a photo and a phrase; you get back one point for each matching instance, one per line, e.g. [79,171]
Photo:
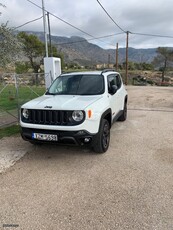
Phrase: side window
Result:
[114,80]
[111,81]
[118,81]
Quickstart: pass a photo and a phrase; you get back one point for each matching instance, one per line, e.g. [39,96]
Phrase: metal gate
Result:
[15,90]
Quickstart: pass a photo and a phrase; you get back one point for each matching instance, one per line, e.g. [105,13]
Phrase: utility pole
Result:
[45,31]
[117,57]
[50,41]
[127,46]
[109,57]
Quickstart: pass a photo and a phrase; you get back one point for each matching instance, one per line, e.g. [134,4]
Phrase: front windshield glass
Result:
[78,85]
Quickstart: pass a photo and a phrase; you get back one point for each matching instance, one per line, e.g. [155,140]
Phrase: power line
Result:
[84,40]
[29,22]
[143,34]
[93,38]
[152,35]
[71,25]
[110,17]
[62,19]
[65,21]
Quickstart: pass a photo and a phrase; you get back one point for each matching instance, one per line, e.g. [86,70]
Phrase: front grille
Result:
[49,117]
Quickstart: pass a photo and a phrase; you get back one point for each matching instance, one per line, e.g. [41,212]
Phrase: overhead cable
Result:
[93,38]
[29,22]
[110,17]
[152,35]
[84,40]
[65,21]
[62,20]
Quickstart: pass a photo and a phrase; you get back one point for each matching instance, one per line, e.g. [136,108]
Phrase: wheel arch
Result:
[126,99]
[108,116]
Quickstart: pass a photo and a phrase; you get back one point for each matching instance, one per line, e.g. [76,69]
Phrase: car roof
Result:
[83,72]
[96,72]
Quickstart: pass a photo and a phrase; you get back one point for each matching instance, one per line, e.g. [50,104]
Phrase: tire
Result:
[123,116]
[102,140]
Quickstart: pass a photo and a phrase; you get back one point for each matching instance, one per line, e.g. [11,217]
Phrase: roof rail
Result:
[107,70]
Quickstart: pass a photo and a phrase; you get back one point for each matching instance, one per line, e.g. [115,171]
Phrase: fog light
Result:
[87,139]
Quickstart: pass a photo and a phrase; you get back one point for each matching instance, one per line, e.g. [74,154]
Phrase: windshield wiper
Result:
[47,93]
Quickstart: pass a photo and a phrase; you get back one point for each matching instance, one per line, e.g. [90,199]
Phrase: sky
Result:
[136,16]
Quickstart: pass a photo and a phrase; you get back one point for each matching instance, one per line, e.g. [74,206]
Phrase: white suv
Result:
[78,108]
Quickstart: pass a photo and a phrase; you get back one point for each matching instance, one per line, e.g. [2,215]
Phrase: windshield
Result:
[77,85]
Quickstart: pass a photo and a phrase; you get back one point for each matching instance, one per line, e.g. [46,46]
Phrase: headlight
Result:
[25,113]
[77,115]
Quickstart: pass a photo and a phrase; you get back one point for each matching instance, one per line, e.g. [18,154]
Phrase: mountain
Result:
[78,49]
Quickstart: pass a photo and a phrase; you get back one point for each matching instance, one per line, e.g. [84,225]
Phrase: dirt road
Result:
[129,187]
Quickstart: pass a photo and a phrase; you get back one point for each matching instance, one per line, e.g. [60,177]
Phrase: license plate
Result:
[44,137]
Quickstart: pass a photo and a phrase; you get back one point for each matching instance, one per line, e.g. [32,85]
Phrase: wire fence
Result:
[15,90]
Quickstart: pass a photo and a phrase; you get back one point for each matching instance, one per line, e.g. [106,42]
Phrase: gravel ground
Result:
[69,188]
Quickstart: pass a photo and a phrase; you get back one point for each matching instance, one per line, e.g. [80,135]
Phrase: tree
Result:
[164,56]
[22,67]
[34,50]
[9,45]
[1,6]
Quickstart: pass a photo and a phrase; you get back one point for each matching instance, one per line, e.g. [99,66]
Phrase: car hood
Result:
[62,102]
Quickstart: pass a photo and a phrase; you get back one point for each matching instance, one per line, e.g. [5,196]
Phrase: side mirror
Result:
[113,89]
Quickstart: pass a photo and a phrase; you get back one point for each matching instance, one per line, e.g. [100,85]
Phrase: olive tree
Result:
[2,6]
[163,58]
[9,45]
[34,50]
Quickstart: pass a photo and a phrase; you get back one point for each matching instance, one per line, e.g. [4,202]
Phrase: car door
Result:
[113,98]
[120,92]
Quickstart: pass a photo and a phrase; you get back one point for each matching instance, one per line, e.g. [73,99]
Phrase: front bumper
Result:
[80,137]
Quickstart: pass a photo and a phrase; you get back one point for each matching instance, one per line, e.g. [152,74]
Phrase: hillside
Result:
[78,49]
